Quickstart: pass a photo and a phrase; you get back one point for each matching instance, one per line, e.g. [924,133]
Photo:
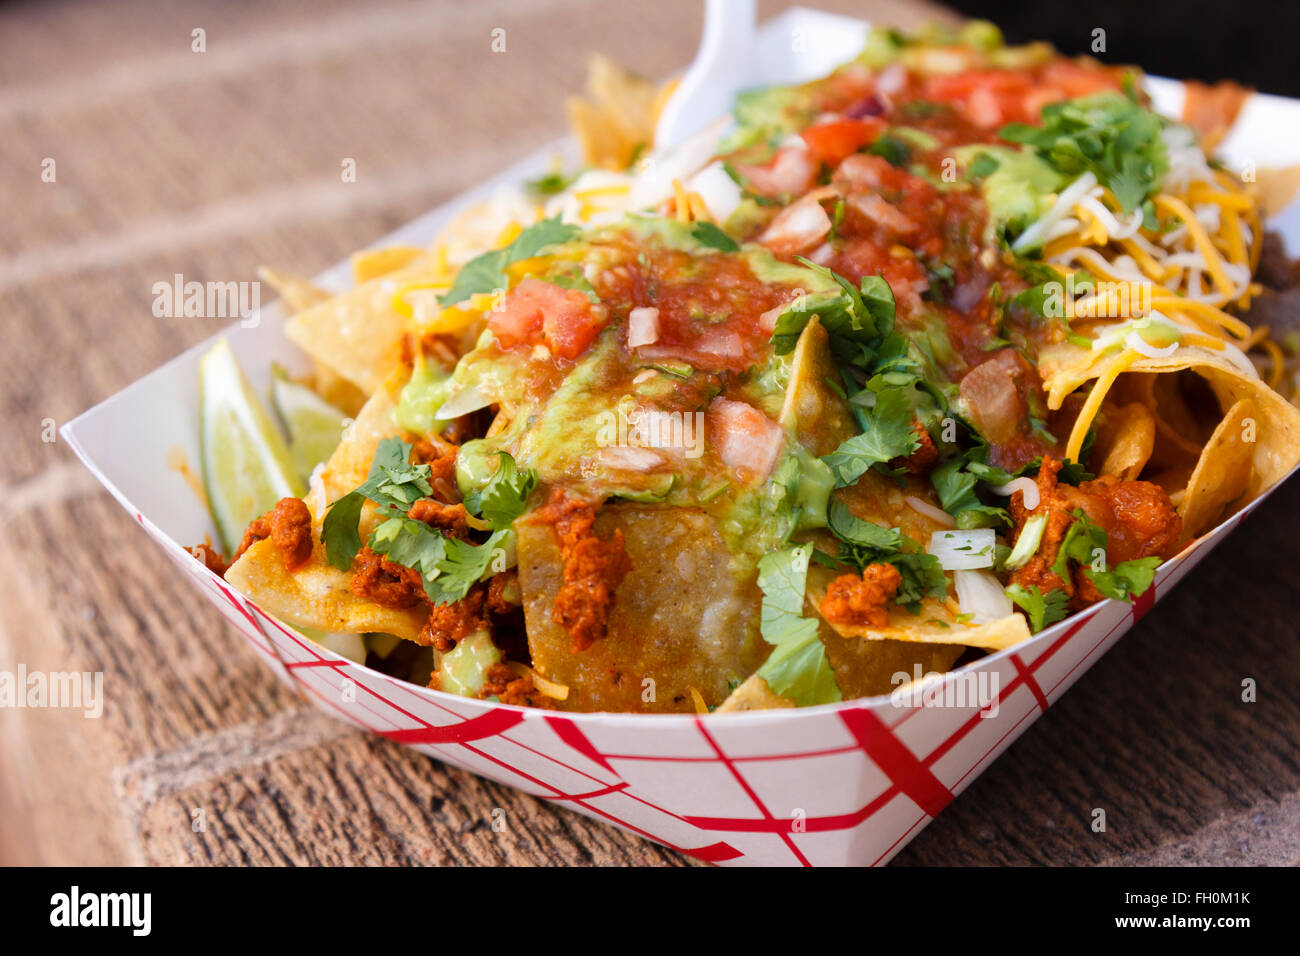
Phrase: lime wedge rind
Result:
[246,464]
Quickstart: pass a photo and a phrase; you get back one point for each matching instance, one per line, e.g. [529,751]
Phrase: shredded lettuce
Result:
[797,667]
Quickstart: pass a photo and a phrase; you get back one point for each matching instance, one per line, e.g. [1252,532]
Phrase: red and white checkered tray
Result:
[846,783]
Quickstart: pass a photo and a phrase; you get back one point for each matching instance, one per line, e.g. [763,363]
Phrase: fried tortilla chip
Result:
[1276,449]
[818,416]
[937,624]
[682,617]
[1223,473]
[359,333]
[317,595]
[372,263]
[298,293]
[616,119]
[753,694]
[1126,437]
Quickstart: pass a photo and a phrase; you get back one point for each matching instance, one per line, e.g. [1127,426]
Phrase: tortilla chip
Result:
[616,119]
[1223,473]
[819,417]
[1125,440]
[683,617]
[1277,447]
[337,390]
[316,595]
[358,333]
[298,293]
[937,624]
[350,463]
[372,263]
[753,694]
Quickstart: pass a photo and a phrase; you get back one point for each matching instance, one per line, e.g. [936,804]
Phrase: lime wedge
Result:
[246,464]
[315,426]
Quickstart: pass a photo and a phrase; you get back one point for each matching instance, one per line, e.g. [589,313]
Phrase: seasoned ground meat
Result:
[449,519]
[593,569]
[503,683]
[212,559]
[448,624]
[388,584]
[288,525]
[853,601]
[440,456]
[1138,517]
[926,456]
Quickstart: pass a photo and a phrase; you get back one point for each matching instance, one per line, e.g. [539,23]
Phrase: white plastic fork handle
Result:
[723,66]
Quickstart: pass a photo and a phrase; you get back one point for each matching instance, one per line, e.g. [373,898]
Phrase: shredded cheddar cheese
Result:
[1093,404]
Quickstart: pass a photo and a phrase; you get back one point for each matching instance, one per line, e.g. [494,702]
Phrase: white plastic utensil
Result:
[723,65]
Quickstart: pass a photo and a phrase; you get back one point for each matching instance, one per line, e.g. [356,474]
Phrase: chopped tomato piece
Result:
[791,171]
[565,319]
[746,439]
[834,142]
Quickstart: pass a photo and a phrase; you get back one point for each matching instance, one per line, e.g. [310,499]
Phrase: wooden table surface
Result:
[208,164]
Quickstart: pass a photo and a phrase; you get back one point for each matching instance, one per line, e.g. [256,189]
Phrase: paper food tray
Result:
[846,783]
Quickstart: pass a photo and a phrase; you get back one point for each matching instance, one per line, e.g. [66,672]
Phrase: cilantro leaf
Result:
[710,235]
[550,184]
[412,544]
[1041,609]
[486,273]
[848,527]
[339,530]
[955,481]
[1108,134]
[887,434]
[393,483]
[504,497]
[1128,580]
[862,314]
[797,667]
[464,564]
[1080,544]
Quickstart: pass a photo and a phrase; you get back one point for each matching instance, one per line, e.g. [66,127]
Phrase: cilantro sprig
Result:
[486,273]
[448,567]
[504,497]
[1108,134]
[1041,609]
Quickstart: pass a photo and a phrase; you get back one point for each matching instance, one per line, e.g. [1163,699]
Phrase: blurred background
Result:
[170,158]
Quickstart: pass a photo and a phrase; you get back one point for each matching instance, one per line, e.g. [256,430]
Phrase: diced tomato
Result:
[745,438]
[564,318]
[833,142]
[791,171]
[1078,79]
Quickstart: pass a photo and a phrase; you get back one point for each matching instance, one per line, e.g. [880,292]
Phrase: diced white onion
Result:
[1027,486]
[923,507]
[718,190]
[1135,341]
[642,326]
[980,595]
[964,550]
